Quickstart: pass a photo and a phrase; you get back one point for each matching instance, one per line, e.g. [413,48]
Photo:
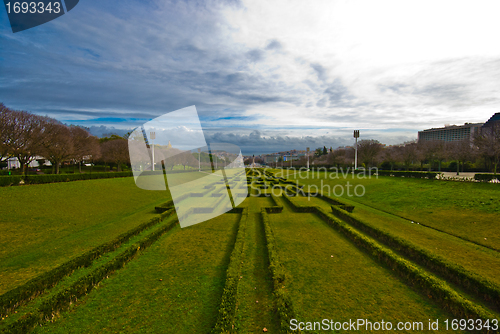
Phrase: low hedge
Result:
[432,286]
[29,290]
[475,284]
[51,178]
[418,175]
[225,322]
[62,300]
[486,177]
[283,299]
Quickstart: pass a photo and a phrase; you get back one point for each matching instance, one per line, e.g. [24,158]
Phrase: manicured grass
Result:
[191,264]
[45,225]
[255,300]
[332,279]
[468,210]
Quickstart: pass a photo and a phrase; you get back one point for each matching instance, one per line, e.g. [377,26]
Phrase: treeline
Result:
[27,137]
[480,153]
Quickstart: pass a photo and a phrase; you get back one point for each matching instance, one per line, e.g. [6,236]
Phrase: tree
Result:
[462,151]
[368,150]
[408,153]
[22,136]
[85,146]
[57,144]
[390,155]
[488,143]
[6,130]
[325,151]
[115,151]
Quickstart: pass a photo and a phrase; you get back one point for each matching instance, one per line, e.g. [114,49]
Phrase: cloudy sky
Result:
[265,75]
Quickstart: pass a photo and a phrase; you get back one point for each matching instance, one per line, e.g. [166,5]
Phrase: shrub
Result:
[419,175]
[486,177]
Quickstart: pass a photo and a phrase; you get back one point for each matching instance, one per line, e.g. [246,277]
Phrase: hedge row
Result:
[486,177]
[227,310]
[51,178]
[24,293]
[283,299]
[165,206]
[62,300]
[438,289]
[418,175]
[478,285]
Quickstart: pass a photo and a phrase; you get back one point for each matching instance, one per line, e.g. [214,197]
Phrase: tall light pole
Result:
[199,160]
[307,158]
[152,135]
[356,136]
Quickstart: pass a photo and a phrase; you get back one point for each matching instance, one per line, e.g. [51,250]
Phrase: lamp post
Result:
[356,136]
[199,160]
[152,135]
[307,158]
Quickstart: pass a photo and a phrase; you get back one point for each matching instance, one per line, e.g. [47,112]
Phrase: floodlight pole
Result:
[307,158]
[356,136]
[199,160]
[152,135]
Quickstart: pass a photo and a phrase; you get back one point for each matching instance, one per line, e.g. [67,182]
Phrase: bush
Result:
[418,175]
[284,304]
[226,318]
[486,177]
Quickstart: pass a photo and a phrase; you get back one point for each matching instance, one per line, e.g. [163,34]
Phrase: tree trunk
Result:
[57,167]
[80,166]
[118,167]
[458,167]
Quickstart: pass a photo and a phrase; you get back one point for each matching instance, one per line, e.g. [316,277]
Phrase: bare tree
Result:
[57,143]
[488,143]
[6,130]
[408,153]
[390,155]
[115,151]
[368,150]
[85,146]
[462,151]
[23,136]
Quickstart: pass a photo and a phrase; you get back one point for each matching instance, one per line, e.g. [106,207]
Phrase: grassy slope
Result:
[332,279]
[191,263]
[467,210]
[45,225]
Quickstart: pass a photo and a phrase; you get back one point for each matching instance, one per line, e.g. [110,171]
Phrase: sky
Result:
[265,75]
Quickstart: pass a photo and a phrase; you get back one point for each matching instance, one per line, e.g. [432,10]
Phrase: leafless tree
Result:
[368,150]
[115,151]
[57,144]
[408,153]
[462,151]
[6,130]
[488,143]
[22,136]
[85,146]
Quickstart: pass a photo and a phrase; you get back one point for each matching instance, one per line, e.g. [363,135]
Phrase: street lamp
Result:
[152,135]
[356,136]
[199,160]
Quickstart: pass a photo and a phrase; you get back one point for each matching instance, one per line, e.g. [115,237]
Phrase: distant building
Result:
[494,121]
[450,133]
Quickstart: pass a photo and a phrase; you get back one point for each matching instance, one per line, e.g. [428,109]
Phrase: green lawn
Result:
[468,210]
[191,264]
[45,225]
[332,279]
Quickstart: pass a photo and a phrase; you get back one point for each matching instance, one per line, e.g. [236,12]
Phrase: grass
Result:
[467,210]
[191,264]
[255,300]
[332,279]
[45,225]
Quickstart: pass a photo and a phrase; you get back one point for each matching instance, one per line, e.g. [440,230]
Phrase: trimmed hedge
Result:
[432,286]
[418,175]
[283,299]
[62,300]
[227,310]
[29,290]
[51,178]
[486,177]
[475,284]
